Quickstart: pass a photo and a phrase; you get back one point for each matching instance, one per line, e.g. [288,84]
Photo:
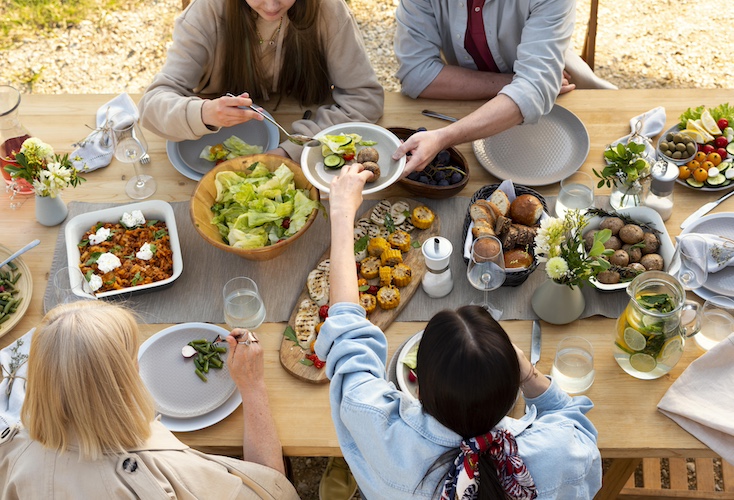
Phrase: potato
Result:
[652,262]
[614,224]
[620,258]
[634,252]
[631,233]
[613,243]
[608,277]
[652,243]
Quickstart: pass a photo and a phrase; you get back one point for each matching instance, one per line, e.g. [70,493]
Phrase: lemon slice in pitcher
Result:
[670,347]
[643,362]
[634,339]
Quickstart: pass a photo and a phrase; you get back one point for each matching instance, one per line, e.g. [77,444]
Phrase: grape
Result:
[413,176]
[421,129]
[443,158]
[443,182]
[456,178]
[423,178]
[439,176]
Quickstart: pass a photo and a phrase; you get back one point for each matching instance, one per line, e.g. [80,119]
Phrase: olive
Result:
[680,146]
[677,138]
[691,148]
[669,137]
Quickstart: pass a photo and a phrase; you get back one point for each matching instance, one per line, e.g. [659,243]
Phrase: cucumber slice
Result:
[342,140]
[717,180]
[342,162]
[730,148]
[333,161]
[694,183]
[723,166]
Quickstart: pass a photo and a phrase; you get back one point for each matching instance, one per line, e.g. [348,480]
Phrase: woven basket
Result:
[513,278]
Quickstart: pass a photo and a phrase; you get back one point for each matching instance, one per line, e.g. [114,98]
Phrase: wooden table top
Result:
[625,411]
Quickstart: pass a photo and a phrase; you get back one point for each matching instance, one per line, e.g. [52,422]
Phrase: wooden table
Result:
[625,414]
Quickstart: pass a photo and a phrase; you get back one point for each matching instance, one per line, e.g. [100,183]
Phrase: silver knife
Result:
[433,114]
[535,343]
[704,209]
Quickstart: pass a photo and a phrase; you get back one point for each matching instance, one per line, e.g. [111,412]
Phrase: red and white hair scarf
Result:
[463,481]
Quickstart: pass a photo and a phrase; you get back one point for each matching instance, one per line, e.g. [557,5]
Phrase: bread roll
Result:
[526,209]
[518,258]
[486,247]
[501,201]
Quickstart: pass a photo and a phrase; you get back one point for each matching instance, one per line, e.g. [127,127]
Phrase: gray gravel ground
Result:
[650,44]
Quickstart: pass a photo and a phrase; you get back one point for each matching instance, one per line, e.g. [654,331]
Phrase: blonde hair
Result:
[83,383]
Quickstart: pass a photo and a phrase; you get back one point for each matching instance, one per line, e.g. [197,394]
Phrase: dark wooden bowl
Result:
[427,190]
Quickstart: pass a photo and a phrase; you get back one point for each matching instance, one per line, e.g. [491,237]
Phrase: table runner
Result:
[197,294]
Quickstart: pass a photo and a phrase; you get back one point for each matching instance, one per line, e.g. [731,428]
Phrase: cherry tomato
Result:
[699,146]
[684,172]
[707,165]
[693,165]
[708,148]
[324,311]
[317,363]
[412,377]
[372,290]
[286,223]
[722,123]
[720,142]
[722,152]
[714,158]
[700,174]
[348,156]
[700,157]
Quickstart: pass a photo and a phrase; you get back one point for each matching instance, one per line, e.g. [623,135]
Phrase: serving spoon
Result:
[20,252]
[294,138]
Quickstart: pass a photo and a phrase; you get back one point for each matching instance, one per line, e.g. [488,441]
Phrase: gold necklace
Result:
[272,38]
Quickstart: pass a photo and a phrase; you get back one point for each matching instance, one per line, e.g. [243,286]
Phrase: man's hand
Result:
[423,147]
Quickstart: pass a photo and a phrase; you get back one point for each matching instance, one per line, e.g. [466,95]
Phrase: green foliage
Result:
[624,163]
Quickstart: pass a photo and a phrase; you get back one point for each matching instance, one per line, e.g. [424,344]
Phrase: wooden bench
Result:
[678,475]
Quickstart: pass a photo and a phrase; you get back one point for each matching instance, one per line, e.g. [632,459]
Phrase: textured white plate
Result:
[536,154]
[177,390]
[185,158]
[645,215]
[401,371]
[722,224]
[24,285]
[312,162]
[152,209]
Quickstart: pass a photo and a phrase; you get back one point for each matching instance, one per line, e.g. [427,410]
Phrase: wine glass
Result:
[486,269]
[691,256]
[243,305]
[130,145]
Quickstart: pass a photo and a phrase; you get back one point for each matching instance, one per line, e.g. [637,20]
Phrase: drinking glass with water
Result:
[577,193]
[573,366]
[243,305]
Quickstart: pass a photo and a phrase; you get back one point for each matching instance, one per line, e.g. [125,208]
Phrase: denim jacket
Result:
[390,443]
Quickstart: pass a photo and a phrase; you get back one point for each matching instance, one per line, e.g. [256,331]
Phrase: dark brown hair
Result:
[304,74]
[468,379]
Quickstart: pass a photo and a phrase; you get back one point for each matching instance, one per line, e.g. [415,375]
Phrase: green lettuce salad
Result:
[721,111]
[233,147]
[256,207]
[342,144]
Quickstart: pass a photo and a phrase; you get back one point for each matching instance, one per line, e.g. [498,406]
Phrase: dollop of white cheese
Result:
[107,262]
[95,282]
[145,252]
[132,219]
[101,235]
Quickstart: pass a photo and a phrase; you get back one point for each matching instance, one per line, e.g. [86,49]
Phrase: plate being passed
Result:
[401,370]
[536,154]
[178,392]
[24,285]
[185,157]
[721,224]
[312,161]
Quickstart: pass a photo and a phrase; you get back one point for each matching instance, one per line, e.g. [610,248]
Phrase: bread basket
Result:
[515,278]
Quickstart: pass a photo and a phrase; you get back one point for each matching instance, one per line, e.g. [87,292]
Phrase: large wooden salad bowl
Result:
[206,192]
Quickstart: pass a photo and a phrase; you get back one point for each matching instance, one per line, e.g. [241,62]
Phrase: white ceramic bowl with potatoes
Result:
[644,215]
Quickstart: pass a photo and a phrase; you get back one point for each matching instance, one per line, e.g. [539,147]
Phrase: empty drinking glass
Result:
[243,306]
[577,192]
[717,322]
[573,366]
[69,285]
[130,146]
[486,269]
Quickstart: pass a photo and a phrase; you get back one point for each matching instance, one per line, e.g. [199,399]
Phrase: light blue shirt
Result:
[390,442]
[526,37]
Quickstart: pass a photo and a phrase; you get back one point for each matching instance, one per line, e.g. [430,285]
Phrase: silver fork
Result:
[145,159]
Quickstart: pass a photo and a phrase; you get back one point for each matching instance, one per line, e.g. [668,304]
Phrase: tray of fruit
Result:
[711,168]
[390,266]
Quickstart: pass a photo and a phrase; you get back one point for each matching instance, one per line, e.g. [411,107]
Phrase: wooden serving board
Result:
[291,354]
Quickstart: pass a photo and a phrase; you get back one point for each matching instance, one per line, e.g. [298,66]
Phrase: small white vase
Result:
[50,211]
[558,304]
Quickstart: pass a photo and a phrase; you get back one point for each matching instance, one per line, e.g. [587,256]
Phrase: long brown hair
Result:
[468,380]
[304,76]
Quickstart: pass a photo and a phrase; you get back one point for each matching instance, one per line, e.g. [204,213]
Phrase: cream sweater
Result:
[171,106]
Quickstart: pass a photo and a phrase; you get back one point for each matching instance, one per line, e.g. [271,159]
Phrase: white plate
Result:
[401,370]
[185,158]
[312,161]
[536,154]
[184,401]
[650,217]
[722,224]
[151,209]
[24,285]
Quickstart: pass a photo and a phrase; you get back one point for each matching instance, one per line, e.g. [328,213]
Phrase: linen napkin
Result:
[12,388]
[96,150]
[652,123]
[701,401]
[717,252]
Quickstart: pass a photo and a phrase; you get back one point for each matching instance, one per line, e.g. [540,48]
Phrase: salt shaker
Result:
[660,196]
[437,282]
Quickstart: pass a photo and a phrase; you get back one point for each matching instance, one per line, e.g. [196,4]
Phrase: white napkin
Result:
[701,401]
[11,404]
[653,122]
[96,150]
[718,251]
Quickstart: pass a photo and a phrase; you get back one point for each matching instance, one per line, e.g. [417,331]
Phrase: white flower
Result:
[556,268]
[36,148]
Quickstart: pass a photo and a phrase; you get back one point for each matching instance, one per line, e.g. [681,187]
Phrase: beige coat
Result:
[171,106]
[164,468]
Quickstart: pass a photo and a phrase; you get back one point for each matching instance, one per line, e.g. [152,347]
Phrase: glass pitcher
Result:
[12,132]
[651,331]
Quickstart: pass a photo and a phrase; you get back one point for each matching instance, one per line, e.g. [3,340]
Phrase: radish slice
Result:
[188,352]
